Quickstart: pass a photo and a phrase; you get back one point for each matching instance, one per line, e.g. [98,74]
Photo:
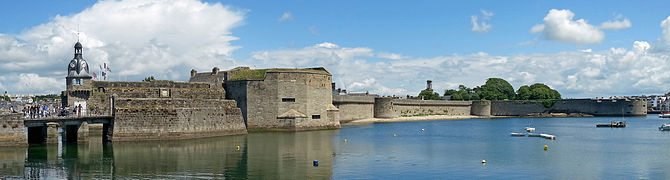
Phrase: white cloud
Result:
[616,24]
[618,71]
[287,16]
[560,26]
[391,56]
[665,26]
[163,38]
[481,26]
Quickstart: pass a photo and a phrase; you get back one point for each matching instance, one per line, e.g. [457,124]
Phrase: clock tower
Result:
[78,81]
[77,71]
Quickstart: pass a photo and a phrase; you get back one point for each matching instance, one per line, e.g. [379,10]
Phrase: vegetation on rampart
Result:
[429,95]
[499,89]
[259,74]
[149,79]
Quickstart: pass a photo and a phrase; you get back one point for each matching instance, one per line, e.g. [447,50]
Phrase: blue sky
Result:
[386,47]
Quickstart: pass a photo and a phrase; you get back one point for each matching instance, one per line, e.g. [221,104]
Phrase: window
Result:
[287,99]
[316,116]
[101,89]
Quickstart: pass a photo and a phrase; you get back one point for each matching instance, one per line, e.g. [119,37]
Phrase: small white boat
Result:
[664,127]
[529,129]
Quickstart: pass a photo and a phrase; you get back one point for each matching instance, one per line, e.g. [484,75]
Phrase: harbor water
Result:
[451,149]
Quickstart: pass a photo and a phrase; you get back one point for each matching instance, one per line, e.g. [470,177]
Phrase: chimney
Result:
[193,72]
[332,85]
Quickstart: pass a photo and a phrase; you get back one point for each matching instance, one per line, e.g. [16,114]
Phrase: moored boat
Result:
[664,127]
[529,129]
[613,124]
[518,134]
[664,114]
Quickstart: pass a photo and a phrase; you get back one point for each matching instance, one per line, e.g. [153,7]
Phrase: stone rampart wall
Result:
[407,107]
[172,103]
[132,124]
[354,107]
[480,108]
[605,107]
[12,130]
[151,84]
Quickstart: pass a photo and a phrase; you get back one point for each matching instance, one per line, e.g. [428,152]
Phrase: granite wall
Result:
[354,107]
[291,100]
[597,107]
[408,107]
[12,130]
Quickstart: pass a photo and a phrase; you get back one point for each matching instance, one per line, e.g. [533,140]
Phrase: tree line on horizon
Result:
[496,89]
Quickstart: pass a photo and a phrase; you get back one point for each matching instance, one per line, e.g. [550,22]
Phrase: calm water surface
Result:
[445,149]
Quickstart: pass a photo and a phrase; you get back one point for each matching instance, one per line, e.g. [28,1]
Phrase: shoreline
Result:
[417,118]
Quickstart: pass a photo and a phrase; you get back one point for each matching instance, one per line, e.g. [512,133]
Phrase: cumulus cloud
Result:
[665,26]
[585,73]
[559,25]
[481,26]
[618,24]
[163,38]
[287,16]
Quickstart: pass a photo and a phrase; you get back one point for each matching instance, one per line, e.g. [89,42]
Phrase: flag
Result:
[100,67]
[104,75]
[108,69]
[94,76]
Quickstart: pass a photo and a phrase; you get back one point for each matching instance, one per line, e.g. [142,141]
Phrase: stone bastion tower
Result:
[289,99]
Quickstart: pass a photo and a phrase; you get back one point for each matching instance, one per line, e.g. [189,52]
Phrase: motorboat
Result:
[664,127]
[518,134]
[613,124]
[529,129]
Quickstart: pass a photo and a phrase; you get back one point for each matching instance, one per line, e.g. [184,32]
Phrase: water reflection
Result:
[273,155]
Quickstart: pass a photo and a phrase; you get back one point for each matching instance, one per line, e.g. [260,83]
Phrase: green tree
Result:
[523,93]
[149,79]
[449,92]
[541,91]
[496,89]
[429,95]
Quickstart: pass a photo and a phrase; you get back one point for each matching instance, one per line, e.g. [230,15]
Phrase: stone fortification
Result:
[480,108]
[163,109]
[409,107]
[384,108]
[354,107]
[292,99]
[597,107]
[12,130]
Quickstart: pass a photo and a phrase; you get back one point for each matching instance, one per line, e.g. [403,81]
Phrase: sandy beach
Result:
[413,118]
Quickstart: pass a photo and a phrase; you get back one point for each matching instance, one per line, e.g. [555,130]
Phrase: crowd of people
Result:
[42,111]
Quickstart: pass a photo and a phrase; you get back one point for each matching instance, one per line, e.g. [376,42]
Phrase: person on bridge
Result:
[79,110]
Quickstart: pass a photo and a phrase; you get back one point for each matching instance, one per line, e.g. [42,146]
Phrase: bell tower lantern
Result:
[78,77]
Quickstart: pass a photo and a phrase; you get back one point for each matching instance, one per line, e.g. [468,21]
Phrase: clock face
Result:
[83,65]
[72,65]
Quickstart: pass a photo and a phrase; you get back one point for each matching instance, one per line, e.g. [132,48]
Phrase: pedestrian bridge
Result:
[67,127]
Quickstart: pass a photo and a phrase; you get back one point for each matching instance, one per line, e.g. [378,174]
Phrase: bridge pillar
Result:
[82,134]
[37,135]
[70,132]
[107,132]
